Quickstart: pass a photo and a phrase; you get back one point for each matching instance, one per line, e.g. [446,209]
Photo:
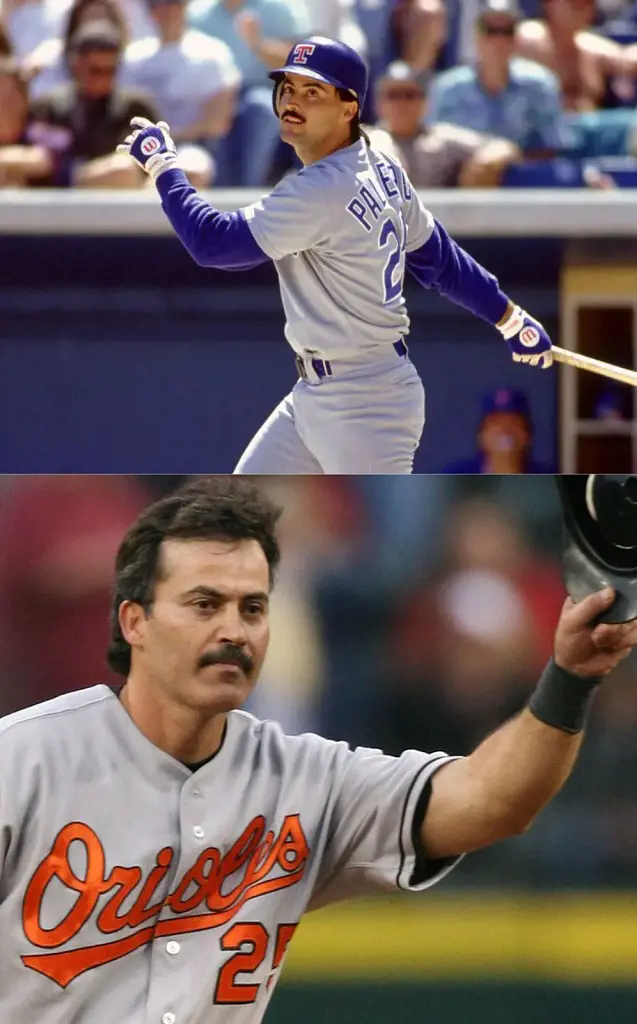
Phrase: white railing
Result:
[522,213]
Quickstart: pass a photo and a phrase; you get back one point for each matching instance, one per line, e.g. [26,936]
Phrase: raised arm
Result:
[213,238]
[500,788]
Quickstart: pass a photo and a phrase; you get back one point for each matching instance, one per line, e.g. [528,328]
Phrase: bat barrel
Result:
[582,362]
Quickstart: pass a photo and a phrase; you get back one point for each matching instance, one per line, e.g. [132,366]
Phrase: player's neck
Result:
[311,154]
[186,734]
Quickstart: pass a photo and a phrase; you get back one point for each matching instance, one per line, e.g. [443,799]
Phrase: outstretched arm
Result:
[499,789]
[443,264]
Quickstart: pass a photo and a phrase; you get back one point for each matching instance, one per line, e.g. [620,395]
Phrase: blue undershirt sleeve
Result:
[213,238]
[442,264]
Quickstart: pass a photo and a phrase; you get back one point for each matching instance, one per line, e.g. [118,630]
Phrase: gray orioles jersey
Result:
[338,232]
[134,890]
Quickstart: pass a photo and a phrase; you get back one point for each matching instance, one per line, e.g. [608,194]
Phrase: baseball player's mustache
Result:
[229,654]
[292,113]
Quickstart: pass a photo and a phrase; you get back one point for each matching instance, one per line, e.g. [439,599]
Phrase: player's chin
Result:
[222,687]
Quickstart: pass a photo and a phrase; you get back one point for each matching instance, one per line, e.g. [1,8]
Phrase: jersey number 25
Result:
[394,238]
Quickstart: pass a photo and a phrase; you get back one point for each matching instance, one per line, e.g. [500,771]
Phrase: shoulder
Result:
[277,746]
[455,79]
[141,50]
[201,47]
[454,133]
[34,725]
[531,73]
[382,145]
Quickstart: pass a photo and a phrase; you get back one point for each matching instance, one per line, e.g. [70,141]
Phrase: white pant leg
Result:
[277,447]
[366,424]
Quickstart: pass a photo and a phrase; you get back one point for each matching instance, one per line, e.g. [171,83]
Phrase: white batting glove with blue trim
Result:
[527,339]
[150,146]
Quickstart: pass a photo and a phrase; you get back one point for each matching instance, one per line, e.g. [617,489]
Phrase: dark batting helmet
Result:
[601,539]
[328,61]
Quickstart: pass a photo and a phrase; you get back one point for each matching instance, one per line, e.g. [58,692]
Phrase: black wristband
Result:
[563,699]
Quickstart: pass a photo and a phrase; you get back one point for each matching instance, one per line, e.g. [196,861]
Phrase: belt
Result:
[323,368]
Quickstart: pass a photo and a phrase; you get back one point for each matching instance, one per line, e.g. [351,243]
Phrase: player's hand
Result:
[150,146]
[587,649]
[526,338]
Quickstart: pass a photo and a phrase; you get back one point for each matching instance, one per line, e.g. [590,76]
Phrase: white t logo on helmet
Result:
[302,52]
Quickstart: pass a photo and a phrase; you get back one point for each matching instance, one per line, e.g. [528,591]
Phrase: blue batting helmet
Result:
[328,61]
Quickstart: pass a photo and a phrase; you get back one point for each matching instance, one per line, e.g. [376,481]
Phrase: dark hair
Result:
[205,509]
[355,130]
[112,13]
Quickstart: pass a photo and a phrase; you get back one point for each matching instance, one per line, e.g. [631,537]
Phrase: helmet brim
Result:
[294,69]
[590,561]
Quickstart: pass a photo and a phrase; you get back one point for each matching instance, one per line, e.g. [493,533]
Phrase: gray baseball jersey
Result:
[134,890]
[338,232]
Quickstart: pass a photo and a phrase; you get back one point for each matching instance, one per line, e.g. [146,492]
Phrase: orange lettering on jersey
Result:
[261,861]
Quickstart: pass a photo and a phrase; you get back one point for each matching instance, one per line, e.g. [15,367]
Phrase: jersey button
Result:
[168,1018]
[198,832]
[172,947]
[196,793]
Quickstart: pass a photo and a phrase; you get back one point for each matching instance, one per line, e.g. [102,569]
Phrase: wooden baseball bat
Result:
[582,362]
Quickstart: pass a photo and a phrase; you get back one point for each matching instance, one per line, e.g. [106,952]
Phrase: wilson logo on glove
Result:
[150,145]
[529,337]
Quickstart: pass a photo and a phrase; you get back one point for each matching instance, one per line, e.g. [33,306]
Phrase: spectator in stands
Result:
[192,78]
[504,437]
[439,156]
[502,95]
[84,121]
[48,63]
[419,29]
[564,41]
[260,34]
[337,19]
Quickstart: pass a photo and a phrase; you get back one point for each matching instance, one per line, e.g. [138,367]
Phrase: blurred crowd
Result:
[466,93]
[409,612]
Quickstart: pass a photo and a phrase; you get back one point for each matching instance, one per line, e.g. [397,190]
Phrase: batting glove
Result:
[150,146]
[527,339]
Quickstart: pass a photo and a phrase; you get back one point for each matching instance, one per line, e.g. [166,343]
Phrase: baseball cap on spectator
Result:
[400,72]
[506,400]
[498,13]
[96,35]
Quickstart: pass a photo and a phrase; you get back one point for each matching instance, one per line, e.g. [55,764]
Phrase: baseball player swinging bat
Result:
[158,845]
[341,233]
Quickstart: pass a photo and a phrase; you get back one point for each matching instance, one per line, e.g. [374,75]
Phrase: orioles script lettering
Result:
[257,852]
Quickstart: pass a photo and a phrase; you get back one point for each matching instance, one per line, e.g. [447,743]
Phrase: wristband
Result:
[563,699]
[513,323]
